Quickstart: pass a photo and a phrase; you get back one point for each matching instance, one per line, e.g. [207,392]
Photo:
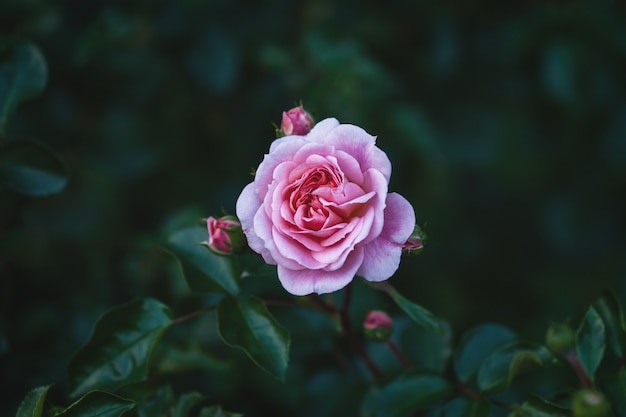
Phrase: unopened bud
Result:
[590,403]
[225,235]
[415,243]
[378,326]
[296,122]
[560,338]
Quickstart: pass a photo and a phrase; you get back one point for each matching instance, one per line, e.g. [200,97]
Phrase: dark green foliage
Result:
[123,123]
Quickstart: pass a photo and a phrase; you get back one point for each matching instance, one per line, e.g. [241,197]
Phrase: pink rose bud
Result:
[378,326]
[296,122]
[415,243]
[225,235]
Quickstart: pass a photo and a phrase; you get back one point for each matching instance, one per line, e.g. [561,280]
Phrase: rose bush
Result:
[320,210]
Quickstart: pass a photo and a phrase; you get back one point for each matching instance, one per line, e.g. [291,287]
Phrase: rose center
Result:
[304,194]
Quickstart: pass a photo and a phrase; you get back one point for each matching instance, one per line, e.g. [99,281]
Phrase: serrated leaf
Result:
[216,411]
[538,407]
[185,403]
[609,308]
[591,342]
[32,405]
[408,394]
[466,407]
[98,404]
[248,325]
[31,169]
[23,75]
[118,351]
[204,271]
[500,367]
[417,313]
[476,345]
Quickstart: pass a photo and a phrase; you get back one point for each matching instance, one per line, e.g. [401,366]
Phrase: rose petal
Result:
[382,256]
[362,146]
[399,219]
[247,205]
[307,281]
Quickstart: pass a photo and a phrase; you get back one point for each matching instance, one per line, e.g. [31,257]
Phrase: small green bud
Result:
[590,403]
[560,338]
[378,326]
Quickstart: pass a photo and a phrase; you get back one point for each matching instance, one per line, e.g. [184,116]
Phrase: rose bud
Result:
[560,338]
[378,326]
[415,243]
[590,403]
[225,235]
[296,122]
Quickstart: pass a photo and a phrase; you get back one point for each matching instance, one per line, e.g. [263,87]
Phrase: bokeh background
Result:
[505,123]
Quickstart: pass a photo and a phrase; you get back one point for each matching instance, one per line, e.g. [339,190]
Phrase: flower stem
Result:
[573,360]
[354,342]
[399,355]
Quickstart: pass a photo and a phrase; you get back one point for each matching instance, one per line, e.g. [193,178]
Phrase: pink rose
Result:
[319,209]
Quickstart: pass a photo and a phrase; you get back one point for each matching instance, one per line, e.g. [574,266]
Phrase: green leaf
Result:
[216,411]
[591,342]
[23,75]
[615,390]
[408,394]
[476,345]
[499,368]
[157,405]
[538,407]
[248,325]
[118,351]
[98,404]
[417,313]
[425,349]
[32,405]
[609,308]
[192,357]
[204,271]
[466,407]
[185,403]
[31,169]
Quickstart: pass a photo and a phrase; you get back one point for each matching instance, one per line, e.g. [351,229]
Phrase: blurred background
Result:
[505,123]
